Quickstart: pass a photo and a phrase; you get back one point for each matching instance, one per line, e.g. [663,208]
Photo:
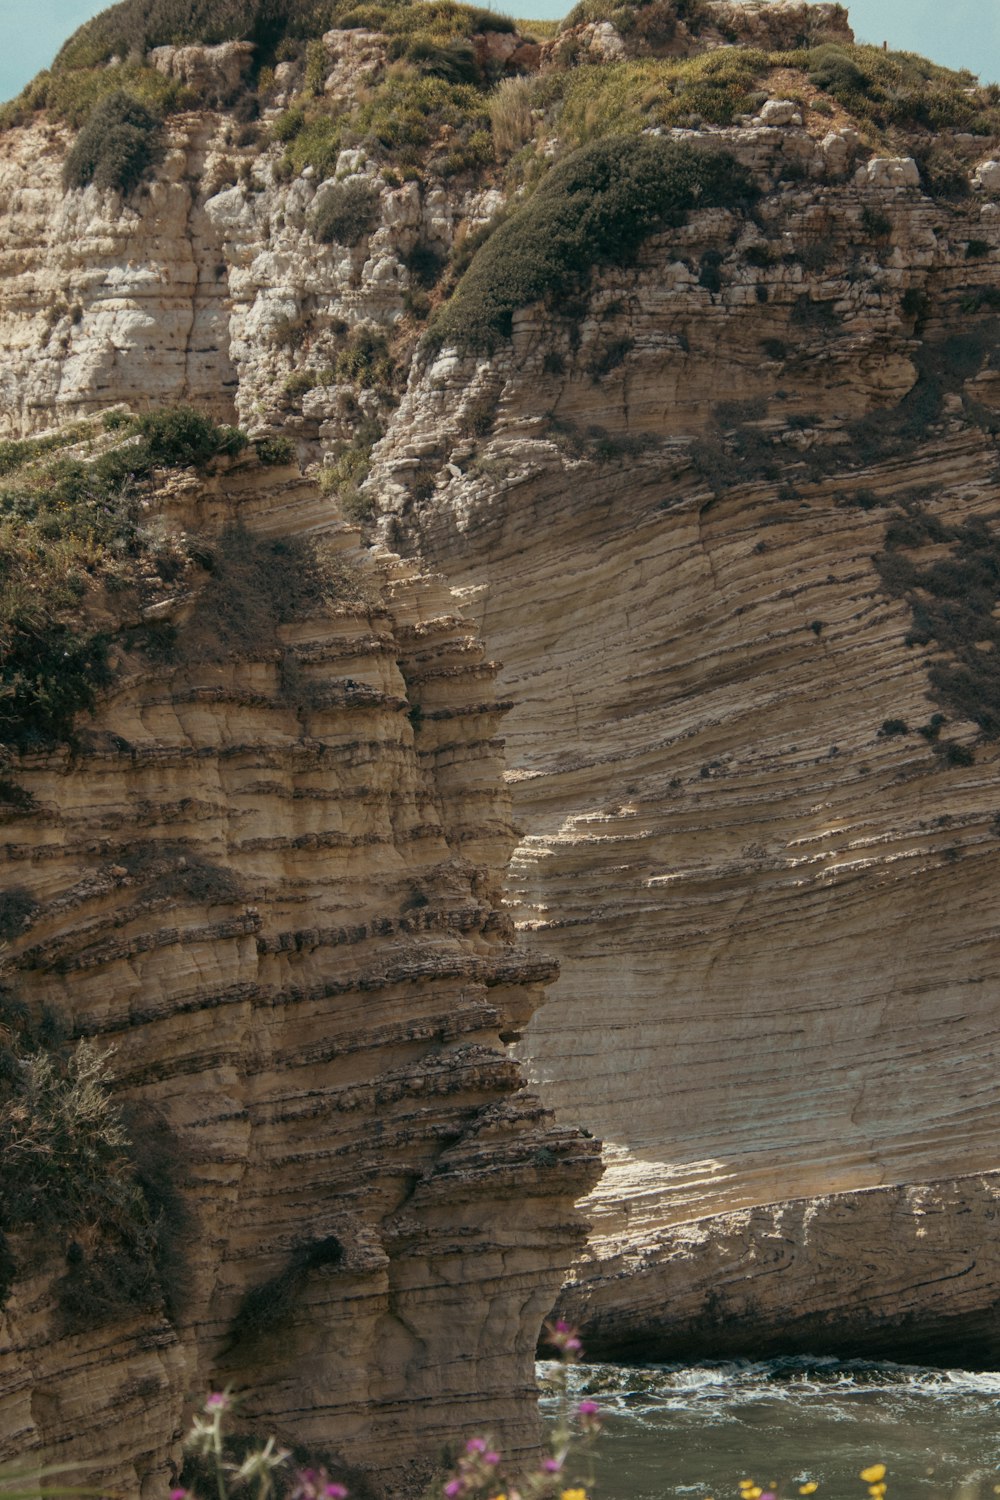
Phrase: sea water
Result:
[695,1431]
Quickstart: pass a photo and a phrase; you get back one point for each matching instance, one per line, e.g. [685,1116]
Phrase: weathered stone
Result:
[987,176]
[323,1035]
[889,172]
[780,112]
[217,71]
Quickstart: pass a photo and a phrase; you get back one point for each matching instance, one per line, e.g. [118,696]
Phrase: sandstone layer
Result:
[269,880]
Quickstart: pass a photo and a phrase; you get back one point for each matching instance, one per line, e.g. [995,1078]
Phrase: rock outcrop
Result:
[778,978]
[269,880]
[727,515]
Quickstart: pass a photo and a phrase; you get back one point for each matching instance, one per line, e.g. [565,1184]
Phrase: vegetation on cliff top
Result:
[134,26]
[595,207]
[119,142]
[71,530]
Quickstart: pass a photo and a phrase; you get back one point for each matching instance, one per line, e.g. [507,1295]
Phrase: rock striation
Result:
[777,993]
[727,514]
[269,880]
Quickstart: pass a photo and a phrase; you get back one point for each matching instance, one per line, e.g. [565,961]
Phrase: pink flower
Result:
[476,1445]
[564,1338]
[552,1465]
[589,1416]
[218,1401]
[491,1458]
[315,1484]
[454,1487]
[178,1495]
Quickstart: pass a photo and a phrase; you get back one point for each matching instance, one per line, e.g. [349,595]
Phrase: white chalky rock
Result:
[987,176]
[889,171]
[230,209]
[780,112]
[350,162]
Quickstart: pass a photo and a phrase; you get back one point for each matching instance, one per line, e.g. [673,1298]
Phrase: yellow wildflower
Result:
[876,1490]
[573,1495]
[808,1489]
[874,1474]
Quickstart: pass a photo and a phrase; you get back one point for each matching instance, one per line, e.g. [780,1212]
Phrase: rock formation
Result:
[268,879]
[777,984]
[726,513]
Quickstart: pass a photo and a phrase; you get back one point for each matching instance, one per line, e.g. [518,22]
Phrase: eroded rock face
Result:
[661,506]
[777,979]
[269,880]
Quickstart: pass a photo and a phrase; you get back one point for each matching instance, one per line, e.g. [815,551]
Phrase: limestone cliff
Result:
[723,505]
[268,878]
[762,867]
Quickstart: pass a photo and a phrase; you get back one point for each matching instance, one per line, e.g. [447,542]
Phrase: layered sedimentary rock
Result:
[767,891]
[760,857]
[268,878]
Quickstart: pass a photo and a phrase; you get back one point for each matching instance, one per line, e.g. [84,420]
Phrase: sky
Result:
[961,34]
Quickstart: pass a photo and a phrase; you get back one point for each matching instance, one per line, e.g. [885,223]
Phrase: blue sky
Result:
[963,34]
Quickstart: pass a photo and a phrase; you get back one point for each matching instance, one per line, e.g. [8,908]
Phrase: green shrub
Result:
[876,225]
[315,142]
[833,69]
[176,436]
[653,22]
[119,142]
[454,61]
[595,207]
[258,584]
[16,908]
[902,89]
[407,111]
[631,96]
[68,525]
[288,124]
[73,96]
[365,359]
[68,1164]
[275,450]
[345,211]
[135,26]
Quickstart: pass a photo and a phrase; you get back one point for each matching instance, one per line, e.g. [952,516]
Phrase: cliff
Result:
[668,341]
[263,881]
[732,533]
